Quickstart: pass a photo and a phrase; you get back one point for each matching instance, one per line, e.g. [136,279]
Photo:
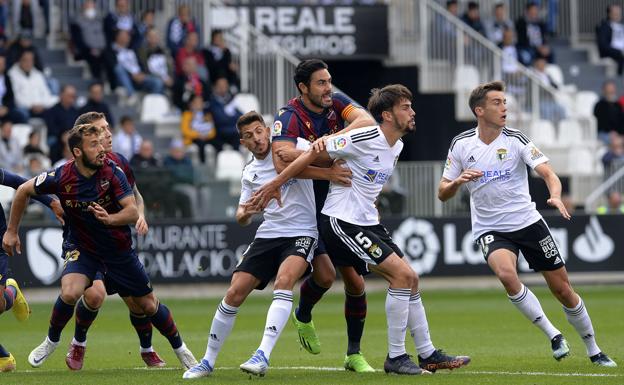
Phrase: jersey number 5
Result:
[363,240]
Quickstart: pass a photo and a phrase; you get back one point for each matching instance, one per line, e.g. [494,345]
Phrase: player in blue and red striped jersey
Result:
[99,207]
[11,296]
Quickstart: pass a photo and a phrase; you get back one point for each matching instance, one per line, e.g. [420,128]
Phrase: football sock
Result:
[309,294]
[61,314]
[3,352]
[9,297]
[143,326]
[163,321]
[397,311]
[84,318]
[220,329]
[579,318]
[419,327]
[277,316]
[529,305]
[355,315]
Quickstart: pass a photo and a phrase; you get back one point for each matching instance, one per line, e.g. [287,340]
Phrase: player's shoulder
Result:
[364,133]
[518,135]
[463,137]
[342,98]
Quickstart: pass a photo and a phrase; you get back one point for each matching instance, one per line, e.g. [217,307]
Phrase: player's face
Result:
[403,116]
[494,112]
[93,154]
[255,136]
[107,135]
[319,93]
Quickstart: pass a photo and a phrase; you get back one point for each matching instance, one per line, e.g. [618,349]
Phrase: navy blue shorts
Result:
[76,261]
[4,267]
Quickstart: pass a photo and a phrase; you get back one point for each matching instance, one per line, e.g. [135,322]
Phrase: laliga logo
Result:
[593,245]
[43,249]
[419,242]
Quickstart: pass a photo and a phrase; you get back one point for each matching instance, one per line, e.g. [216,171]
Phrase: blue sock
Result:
[61,314]
[163,321]
[309,294]
[9,297]
[143,326]
[3,352]
[84,318]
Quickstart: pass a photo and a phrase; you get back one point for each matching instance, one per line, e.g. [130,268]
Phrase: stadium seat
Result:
[466,79]
[555,73]
[581,161]
[570,133]
[247,102]
[584,103]
[21,132]
[543,133]
[156,109]
[230,165]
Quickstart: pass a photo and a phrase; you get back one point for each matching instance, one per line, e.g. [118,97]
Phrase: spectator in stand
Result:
[32,95]
[179,27]
[127,140]
[7,100]
[191,48]
[531,32]
[34,144]
[614,157]
[61,118]
[472,17]
[219,60]
[496,26]
[225,114]
[610,36]
[147,23]
[154,58]
[198,126]
[95,101]
[67,154]
[181,168]
[144,159]
[24,16]
[509,58]
[35,165]
[22,43]
[444,33]
[88,39]
[614,204]
[549,108]
[127,71]
[608,112]
[189,84]
[121,19]
[11,156]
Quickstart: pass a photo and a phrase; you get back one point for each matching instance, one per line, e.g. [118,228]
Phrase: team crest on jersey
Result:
[501,154]
[340,143]
[535,153]
[375,251]
[277,128]
[104,183]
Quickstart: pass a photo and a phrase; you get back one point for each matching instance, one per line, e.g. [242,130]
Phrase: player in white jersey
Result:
[491,161]
[283,248]
[350,223]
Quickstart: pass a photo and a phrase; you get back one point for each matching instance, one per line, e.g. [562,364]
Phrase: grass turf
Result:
[505,347]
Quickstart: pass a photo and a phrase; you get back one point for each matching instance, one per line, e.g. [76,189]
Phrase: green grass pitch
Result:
[505,347]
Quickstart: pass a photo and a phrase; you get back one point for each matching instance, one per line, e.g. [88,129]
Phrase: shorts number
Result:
[485,241]
[363,240]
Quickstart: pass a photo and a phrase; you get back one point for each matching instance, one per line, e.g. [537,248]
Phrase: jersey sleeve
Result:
[340,146]
[345,106]
[13,180]
[47,182]
[125,167]
[121,187]
[452,167]
[285,126]
[246,190]
[532,156]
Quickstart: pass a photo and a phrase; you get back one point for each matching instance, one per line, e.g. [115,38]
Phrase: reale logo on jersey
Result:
[418,240]
[377,177]
[43,248]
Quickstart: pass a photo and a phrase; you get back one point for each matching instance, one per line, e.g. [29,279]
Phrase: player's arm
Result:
[454,176]
[20,201]
[128,214]
[546,172]
[336,173]
[245,212]
[141,224]
[12,180]
[358,118]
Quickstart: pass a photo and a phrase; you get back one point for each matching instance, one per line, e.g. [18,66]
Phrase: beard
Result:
[318,101]
[88,164]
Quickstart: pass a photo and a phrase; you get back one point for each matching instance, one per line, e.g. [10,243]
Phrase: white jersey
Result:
[296,217]
[371,161]
[499,200]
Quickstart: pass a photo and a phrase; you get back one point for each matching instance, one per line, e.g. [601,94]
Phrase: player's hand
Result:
[141,225]
[263,196]
[58,211]
[339,173]
[99,213]
[251,209]
[11,240]
[288,155]
[319,145]
[558,204]
[468,175]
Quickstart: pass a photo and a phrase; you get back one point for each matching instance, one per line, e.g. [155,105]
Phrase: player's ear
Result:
[302,88]
[386,115]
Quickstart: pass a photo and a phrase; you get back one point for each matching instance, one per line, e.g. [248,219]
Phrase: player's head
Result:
[254,133]
[314,83]
[85,144]
[98,119]
[487,102]
[392,105]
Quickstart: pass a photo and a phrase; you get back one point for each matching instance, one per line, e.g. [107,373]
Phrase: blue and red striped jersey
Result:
[106,187]
[123,163]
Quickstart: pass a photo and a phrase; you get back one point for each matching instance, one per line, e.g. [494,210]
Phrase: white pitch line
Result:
[339,369]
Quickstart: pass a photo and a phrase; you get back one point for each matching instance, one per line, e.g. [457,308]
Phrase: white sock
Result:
[75,342]
[220,329]
[579,318]
[277,316]
[146,350]
[529,305]
[181,348]
[419,327]
[397,312]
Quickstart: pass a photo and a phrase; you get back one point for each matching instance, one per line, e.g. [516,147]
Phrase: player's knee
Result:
[354,284]
[94,299]
[235,296]
[324,277]
[284,281]
[149,306]
[403,278]
[508,277]
[70,295]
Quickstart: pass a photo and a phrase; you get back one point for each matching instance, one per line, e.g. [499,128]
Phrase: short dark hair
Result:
[451,2]
[78,132]
[479,94]
[95,83]
[305,69]
[248,118]
[383,99]
[126,118]
[473,5]
[530,5]
[89,117]
[214,33]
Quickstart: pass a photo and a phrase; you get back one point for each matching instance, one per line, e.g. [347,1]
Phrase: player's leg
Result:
[576,313]
[143,326]
[7,361]
[223,321]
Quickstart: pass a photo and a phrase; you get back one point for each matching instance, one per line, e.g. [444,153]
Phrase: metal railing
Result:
[614,181]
